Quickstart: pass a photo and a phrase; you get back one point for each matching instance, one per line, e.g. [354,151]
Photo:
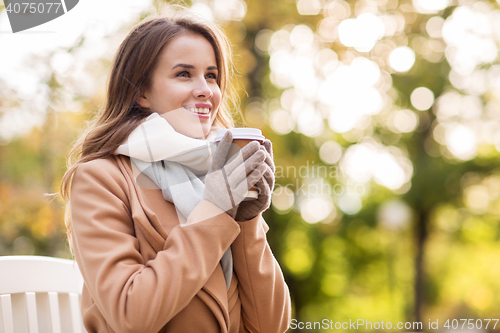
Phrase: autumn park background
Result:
[385,120]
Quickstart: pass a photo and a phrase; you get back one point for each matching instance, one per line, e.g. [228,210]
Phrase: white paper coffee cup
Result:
[241,133]
[241,137]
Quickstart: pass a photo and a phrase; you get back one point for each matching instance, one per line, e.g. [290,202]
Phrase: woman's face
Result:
[184,86]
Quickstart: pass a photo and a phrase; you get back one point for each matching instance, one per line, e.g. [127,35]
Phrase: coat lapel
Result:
[151,227]
[216,288]
[213,293]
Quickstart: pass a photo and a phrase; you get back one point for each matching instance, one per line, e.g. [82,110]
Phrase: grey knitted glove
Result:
[227,183]
[247,210]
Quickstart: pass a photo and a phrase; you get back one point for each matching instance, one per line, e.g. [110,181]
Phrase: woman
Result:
[152,258]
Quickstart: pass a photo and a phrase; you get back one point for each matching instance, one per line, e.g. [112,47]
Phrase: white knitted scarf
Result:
[177,164]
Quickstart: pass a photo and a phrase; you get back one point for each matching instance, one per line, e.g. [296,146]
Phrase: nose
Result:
[202,89]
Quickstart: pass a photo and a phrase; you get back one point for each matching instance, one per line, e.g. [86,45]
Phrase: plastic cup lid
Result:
[241,133]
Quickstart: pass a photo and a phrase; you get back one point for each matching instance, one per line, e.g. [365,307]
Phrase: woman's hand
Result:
[227,183]
[265,185]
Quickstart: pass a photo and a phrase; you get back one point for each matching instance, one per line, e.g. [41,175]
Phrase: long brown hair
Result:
[131,74]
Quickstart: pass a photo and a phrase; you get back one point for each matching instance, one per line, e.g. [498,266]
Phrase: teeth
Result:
[200,110]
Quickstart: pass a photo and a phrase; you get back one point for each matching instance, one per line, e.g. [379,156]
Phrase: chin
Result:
[197,134]
[205,131]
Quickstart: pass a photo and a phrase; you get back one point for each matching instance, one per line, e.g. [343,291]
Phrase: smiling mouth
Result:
[198,110]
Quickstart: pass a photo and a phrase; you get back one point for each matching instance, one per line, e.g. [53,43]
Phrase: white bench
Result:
[40,294]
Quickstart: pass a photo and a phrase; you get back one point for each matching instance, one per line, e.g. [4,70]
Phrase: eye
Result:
[183,74]
[212,76]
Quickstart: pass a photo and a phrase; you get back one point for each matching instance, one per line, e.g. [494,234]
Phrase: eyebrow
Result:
[192,67]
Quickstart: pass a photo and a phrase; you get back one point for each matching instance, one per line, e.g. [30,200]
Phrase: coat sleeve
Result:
[133,295]
[265,299]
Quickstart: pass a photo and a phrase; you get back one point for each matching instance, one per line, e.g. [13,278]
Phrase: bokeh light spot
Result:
[422,98]
[308,7]
[461,141]
[282,199]
[361,33]
[405,121]
[350,203]
[330,152]
[394,214]
[402,59]
[281,122]
[430,6]
[434,26]
[314,210]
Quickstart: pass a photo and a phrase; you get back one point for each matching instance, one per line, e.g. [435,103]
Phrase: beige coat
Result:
[144,273]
